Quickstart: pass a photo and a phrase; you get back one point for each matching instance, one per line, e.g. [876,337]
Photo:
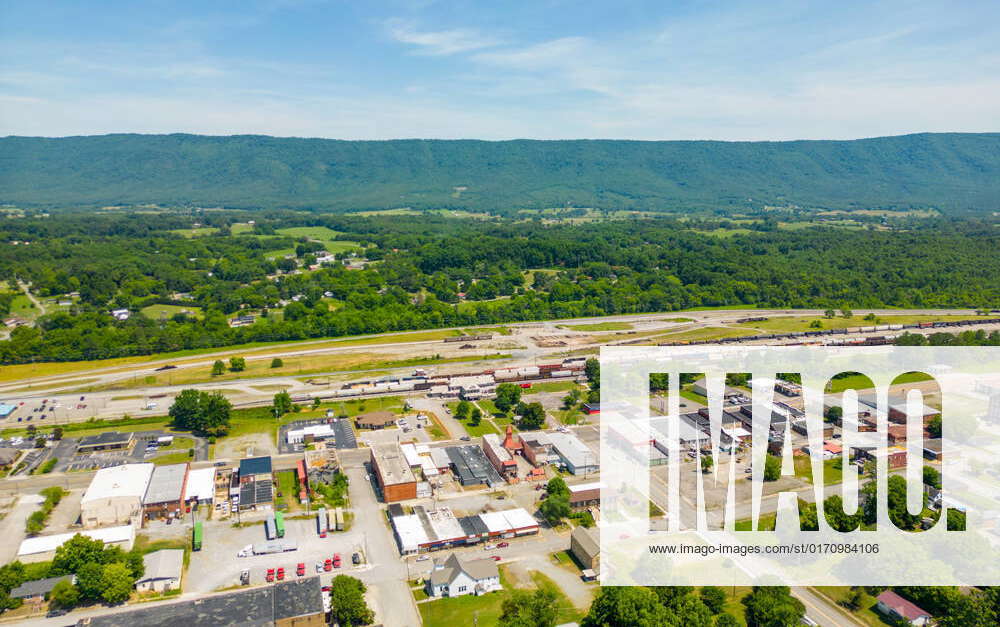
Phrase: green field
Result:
[704,333]
[831,474]
[552,386]
[199,232]
[862,382]
[791,324]
[157,312]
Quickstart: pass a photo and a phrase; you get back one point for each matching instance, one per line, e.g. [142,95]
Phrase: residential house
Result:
[898,608]
[163,571]
[454,577]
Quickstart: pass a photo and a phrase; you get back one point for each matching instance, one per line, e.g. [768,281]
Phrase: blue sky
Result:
[546,69]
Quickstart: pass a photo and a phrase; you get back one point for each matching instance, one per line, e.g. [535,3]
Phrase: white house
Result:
[455,577]
[163,571]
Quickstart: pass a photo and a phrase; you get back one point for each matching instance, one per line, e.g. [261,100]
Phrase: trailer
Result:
[338,518]
[321,522]
[269,527]
[196,536]
[279,524]
[274,546]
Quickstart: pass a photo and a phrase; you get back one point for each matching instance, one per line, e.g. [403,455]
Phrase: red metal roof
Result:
[907,609]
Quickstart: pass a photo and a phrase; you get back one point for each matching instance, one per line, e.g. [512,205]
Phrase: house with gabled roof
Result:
[896,607]
[454,577]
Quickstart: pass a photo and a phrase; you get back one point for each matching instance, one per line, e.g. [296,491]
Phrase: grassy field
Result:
[156,312]
[569,416]
[862,382]
[841,594]
[45,369]
[704,333]
[790,324]
[803,470]
[288,488]
[485,425]
[598,326]
[172,458]
[199,232]
[553,386]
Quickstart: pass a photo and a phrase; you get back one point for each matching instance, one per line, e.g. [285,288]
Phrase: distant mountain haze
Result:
[953,172]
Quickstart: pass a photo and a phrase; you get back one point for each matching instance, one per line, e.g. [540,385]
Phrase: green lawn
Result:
[734,605]
[831,474]
[484,427]
[687,393]
[862,382]
[172,458]
[199,232]
[790,324]
[569,416]
[766,522]
[841,594]
[553,386]
[156,312]
[288,487]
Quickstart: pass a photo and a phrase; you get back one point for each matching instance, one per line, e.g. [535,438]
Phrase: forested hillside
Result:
[952,172]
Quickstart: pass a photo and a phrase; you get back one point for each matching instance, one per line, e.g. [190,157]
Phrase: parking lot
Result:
[217,565]
[343,437]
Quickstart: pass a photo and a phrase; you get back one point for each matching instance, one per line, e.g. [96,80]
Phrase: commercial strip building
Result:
[43,548]
[293,603]
[115,495]
[165,495]
[395,478]
[107,441]
[426,530]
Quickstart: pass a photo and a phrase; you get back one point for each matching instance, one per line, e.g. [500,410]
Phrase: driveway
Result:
[438,408]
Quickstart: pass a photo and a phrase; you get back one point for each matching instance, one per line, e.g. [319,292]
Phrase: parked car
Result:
[300,570]
[328,565]
[245,577]
[496,558]
[356,559]
[336,560]
[503,545]
[270,575]
[281,574]
[465,438]
[489,547]
[319,567]
[423,558]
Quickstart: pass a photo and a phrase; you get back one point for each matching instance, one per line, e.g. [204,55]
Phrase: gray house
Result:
[453,577]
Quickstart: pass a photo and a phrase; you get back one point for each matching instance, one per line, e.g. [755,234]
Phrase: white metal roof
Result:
[686,432]
[125,480]
[572,449]
[201,484]
[321,430]
[496,522]
[44,544]
[410,531]
[519,518]
[580,487]
[410,453]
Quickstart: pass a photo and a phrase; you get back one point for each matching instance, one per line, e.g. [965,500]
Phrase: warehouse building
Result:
[395,478]
[471,466]
[165,494]
[200,487]
[294,603]
[256,483]
[574,454]
[43,548]
[115,495]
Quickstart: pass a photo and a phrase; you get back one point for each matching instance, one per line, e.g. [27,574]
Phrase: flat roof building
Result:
[577,456]
[43,548]
[200,486]
[471,466]
[115,495]
[503,462]
[107,441]
[395,478]
[165,493]
[425,530]
[293,603]
[256,484]
[375,420]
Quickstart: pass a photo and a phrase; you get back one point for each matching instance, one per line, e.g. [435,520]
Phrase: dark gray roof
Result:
[36,588]
[256,607]
[255,466]
[472,466]
[105,439]
[473,525]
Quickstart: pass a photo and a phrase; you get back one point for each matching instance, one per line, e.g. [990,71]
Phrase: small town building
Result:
[395,478]
[43,548]
[574,454]
[453,577]
[35,592]
[586,548]
[163,571]
[471,466]
[375,420]
[897,608]
[502,460]
[200,487]
[115,495]
[8,456]
[165,494]
[932,449]
[256,482]
[107,441]
[584,495]
[536,447]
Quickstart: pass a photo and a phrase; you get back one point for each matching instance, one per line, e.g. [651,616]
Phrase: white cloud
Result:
[442,42]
